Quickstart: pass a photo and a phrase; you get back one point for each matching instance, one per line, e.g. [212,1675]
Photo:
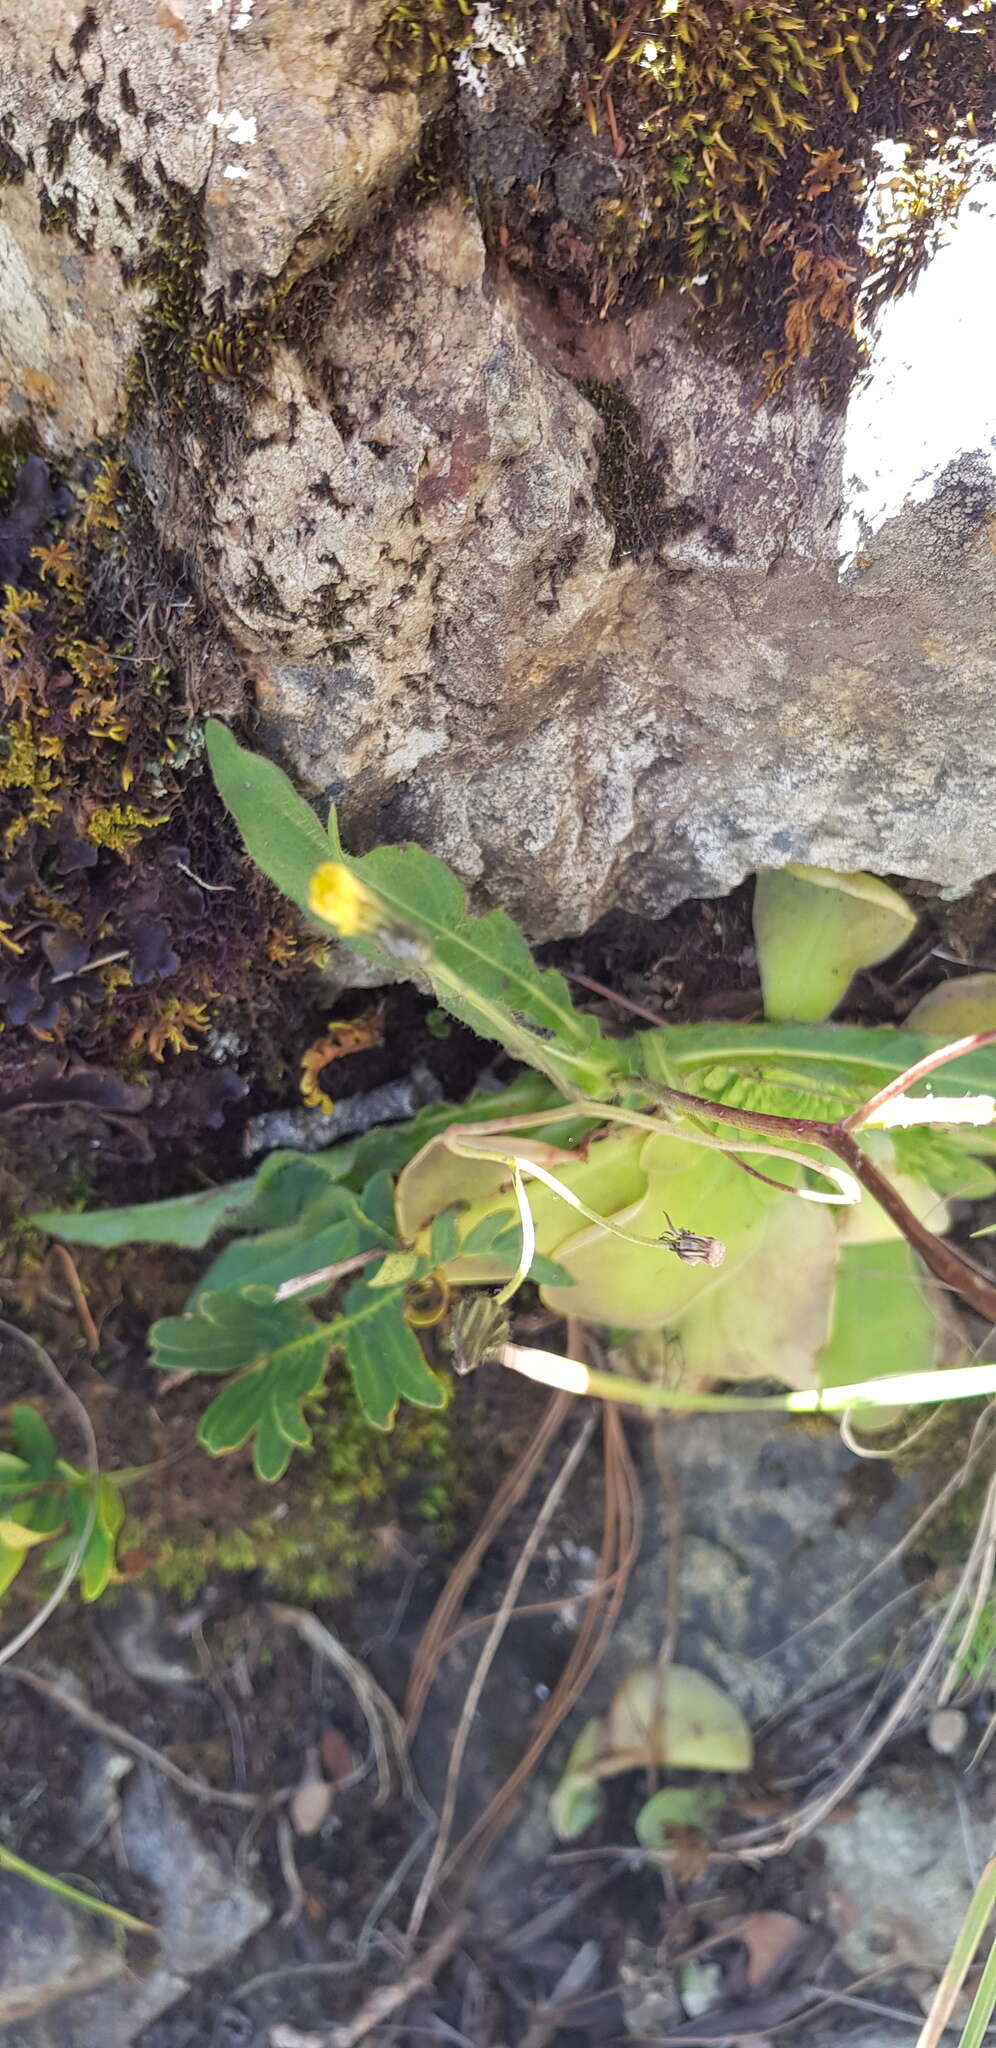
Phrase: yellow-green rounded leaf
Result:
[814,929]
[956,1008]
[678,1718]
[16,1537]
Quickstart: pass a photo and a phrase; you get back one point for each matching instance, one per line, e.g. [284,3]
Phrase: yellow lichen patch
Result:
[352,1034]
[119,826]
[101,510]
[175,1028]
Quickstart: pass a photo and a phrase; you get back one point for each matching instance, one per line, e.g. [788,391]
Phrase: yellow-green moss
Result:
[318,1530]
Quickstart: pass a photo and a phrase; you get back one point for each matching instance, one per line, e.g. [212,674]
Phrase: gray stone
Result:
[764,1555]
[48,1953]
[557,596]
[647,1990]
[274,116]
[573,730]
[204,1913]
[897,1877]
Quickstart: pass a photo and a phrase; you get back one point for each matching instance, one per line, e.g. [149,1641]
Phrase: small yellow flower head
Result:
[339,899]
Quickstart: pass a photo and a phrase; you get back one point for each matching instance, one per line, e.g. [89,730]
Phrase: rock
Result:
[270,117]
[47,1952]
[647,1990]
[777,1522]
[897,1878]
[559,595]
[203,1910]
[666,574]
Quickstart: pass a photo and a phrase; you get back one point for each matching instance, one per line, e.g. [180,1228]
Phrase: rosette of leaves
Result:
[808,1294]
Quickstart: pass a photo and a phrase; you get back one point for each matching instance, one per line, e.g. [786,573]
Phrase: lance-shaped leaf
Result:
[334,1224]
[404,904]
[814,929]
[281,831]
[186,1220]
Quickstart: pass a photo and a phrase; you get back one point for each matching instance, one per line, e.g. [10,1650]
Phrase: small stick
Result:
[122,1739]
[80,1302]
[484,1663]
[382,2004]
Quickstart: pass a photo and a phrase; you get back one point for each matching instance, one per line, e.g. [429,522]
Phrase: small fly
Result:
[691,1249]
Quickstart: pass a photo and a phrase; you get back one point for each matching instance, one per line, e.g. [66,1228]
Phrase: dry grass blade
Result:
[438,1629]
[980,1910]
[387,1733]
[620,1548]
[383,2003]
[121,1738]
[542,1522]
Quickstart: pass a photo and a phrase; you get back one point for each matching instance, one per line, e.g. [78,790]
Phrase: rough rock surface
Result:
[562,600]
[203,1910]
[904,1822]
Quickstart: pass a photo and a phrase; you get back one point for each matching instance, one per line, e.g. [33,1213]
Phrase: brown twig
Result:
[80,1303]
[437,1632]
[382,2004]
[122,1739]
[542,1522]
[620,1548]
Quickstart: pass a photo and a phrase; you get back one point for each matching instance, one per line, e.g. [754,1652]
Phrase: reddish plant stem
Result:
[947,1264]
[927,1065]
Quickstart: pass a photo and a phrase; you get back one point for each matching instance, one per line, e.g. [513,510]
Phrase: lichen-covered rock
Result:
[271,116]
[585,628]
[601,612]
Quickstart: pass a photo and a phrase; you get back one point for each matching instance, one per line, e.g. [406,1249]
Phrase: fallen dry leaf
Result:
[338,1760]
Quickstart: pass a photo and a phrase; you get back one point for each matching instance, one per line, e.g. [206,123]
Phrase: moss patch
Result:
[335,1516]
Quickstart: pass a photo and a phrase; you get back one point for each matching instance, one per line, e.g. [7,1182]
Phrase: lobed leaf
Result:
[385,1359]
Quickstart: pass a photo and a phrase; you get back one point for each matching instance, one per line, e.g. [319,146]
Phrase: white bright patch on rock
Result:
[929,395]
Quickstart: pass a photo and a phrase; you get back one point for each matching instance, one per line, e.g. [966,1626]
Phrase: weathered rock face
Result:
[560,599]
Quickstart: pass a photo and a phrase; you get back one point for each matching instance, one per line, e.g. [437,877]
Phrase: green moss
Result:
[631,487]
[16,444]
[420,38]
[316,1532]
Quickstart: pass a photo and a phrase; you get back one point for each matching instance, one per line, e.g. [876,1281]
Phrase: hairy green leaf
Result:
[480,967]
[186,1220]
[280,831]
[334,1224]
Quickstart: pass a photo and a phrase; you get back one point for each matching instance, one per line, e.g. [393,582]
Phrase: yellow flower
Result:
[339,899]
